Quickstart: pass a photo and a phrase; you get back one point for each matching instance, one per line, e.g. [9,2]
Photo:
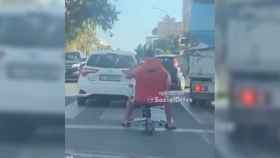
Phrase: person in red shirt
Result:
[151,79]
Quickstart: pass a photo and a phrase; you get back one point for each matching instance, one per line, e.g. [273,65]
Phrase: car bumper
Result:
[268,117]
[96,89]
[202,96]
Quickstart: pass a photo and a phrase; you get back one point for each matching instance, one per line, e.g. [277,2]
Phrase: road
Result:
[232,144]
[47,142]
[95,131]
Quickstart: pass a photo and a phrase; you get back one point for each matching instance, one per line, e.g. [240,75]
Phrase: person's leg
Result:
[168,114]
[128,112]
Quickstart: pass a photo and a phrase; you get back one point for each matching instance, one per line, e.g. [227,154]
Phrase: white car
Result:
[31,71]
[104,77]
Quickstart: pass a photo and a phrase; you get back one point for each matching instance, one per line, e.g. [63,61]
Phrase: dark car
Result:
[72,66]
[171,64]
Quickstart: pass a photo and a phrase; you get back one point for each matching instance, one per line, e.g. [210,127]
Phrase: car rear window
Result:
[166,61]
[75,56]
[111,61]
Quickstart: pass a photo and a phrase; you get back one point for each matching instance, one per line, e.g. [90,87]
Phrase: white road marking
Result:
[204,137]
[192,114]
[73,110]
[223,126]
[72,154]
[112,114]
[107,127]
[117,114]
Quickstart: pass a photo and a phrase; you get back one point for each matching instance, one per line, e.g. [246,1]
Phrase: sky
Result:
[137,20]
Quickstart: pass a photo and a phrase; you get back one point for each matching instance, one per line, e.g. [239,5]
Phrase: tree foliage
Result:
[168,45]
[92,12]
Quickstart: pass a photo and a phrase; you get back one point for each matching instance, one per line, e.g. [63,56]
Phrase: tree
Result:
[168,45]
[82,17]
[90,12]
[140,50]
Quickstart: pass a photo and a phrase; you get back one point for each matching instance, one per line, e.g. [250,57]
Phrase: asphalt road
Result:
[46,142]
[232,144]
[95,131]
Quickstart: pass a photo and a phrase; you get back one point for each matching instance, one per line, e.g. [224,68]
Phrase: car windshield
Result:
[111,61]
[72,57]
[32,29]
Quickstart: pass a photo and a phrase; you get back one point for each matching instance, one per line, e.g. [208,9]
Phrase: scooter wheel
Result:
[149,128]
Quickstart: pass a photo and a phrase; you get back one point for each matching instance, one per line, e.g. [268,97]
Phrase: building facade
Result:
[169,27]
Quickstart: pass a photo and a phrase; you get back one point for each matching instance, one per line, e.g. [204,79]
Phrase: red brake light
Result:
[85,71]
[198,88]
[248,97]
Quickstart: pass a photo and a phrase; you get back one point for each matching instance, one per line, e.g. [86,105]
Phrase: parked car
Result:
[73,62]
[171,64]
[104,76]
[31,71]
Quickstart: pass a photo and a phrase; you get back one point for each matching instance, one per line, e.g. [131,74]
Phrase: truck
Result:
[201,74]
[248,36]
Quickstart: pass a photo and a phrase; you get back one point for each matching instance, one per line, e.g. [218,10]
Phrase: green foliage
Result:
[92,12]
[140,50]
[167,46]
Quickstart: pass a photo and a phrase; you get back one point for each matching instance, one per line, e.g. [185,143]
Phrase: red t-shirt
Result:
[151,79]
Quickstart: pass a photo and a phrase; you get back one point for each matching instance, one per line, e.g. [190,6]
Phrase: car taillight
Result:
[198,88]
[248,97]
[86,71]
[175,62]
[127,73]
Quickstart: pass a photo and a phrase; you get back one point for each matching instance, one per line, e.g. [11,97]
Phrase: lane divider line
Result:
[192,114]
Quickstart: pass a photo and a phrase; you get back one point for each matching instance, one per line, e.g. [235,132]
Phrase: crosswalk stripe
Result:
[106,127]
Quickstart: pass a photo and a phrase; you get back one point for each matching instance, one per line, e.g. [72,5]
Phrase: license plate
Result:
[110,78]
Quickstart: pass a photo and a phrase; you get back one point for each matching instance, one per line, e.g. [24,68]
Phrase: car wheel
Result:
[81,101]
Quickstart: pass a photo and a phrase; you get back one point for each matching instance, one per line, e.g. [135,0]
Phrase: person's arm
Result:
[168,78]
[133,72]
[169,82]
